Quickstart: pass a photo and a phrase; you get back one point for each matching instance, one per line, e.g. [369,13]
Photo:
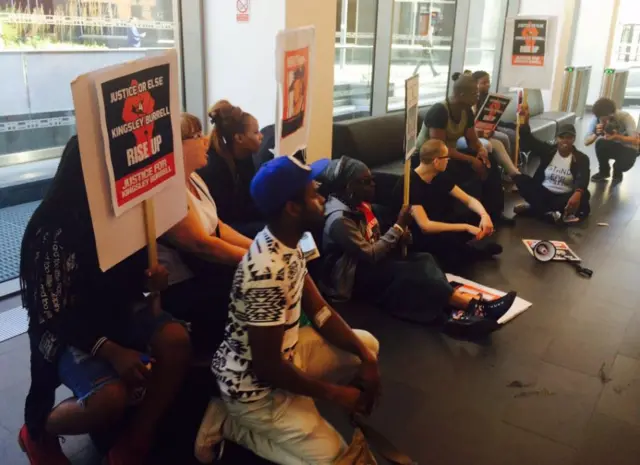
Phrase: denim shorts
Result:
[85,374]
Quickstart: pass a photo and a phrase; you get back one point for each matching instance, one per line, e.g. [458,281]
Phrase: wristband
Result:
[96,347]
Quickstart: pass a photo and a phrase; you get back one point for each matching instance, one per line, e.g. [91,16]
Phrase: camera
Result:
[612,127]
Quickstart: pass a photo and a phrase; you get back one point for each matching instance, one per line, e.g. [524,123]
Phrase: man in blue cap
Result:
[270,370]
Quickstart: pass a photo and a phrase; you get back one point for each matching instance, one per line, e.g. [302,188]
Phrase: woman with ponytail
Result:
[234,139]
[471,167]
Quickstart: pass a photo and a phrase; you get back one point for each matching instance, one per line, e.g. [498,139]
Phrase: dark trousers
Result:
[413,289]
[624,157]
[542,200]
[489,192]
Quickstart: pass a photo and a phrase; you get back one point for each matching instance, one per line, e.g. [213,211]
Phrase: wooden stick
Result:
[518,123]
[150,227]
[152,248]
[405,196]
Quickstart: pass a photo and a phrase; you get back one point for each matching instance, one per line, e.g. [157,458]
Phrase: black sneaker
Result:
[522,209]
[493,309]
[466,324]
[617,177]
[484,248]
[504,220]
[600,176]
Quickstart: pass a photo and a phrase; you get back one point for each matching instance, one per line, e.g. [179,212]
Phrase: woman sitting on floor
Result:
[89,330]
[200,252]
[559,188]
[234,139]
[441,229]
[358,258]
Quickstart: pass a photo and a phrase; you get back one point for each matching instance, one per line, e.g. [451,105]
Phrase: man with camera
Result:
[616,138]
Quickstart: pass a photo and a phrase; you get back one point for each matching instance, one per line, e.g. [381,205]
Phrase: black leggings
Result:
[624,157]
[413,289]
[542,200]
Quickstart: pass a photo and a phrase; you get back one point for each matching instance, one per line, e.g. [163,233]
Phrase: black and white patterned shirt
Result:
[267,291]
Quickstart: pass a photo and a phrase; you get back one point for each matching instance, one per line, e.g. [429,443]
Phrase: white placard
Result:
[411,97]
[117,237]
[488,293]
[528,53]
[294,74]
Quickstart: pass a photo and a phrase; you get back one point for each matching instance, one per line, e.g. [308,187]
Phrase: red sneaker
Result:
[47,451]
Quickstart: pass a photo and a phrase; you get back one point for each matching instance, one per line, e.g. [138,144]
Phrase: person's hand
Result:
[127,363]
[484,156]
[486,225]
[573,204]
[368,380]
[479,167]
[599,129]
[404,217]
[487,134]
[157,278]
[474,230]
[350,398]
[407,237]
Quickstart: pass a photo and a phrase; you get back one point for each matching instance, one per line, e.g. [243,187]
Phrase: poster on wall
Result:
[137,134]
[528,52]
[128,123]
[412,94]
[529,38]
[294,72]
[492,109]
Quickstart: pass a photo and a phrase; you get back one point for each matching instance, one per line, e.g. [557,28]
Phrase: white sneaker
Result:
[209,444]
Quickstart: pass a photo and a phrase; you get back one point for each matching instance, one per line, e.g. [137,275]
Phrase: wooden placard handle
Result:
[405,194]
[152,248]
[525,98]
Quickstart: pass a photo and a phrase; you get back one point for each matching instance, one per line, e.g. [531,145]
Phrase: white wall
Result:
[591,41]
[240,57]
[563,9]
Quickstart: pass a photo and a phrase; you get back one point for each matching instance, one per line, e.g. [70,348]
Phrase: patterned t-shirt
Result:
[266,291]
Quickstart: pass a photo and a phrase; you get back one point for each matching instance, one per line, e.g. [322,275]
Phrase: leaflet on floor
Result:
[519,306]
[563,251]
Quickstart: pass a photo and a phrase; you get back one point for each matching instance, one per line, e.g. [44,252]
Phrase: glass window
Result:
[355,34]
[44,45]
[484,36]
[421,43]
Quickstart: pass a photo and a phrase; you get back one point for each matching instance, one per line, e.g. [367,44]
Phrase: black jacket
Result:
[580,165]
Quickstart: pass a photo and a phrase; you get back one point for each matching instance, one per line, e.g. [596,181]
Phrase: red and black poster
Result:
[138,135]
[492,109]
[529,42]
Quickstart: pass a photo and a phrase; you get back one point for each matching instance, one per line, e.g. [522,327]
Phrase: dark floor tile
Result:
[14,366]
[580,353]
[621,396]
[630,345]
[609,441]
[557,406]
[12,407]
[19,342]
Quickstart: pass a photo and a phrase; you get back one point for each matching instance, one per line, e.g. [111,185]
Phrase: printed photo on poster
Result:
[563,251]
[296,84]
[136,123]
[491,112]
[529,42]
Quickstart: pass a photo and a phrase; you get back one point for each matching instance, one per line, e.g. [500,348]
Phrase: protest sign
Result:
[294,73]
[563,251]
[528,53]
[411,95]
[491,111]
[128,122]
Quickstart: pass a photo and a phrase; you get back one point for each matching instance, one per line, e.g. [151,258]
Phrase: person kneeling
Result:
[558,189]
[439,229]
[268,369]
[358,258]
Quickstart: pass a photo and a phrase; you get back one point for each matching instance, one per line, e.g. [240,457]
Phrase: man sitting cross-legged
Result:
[268,369]
[440,228]
[558,189]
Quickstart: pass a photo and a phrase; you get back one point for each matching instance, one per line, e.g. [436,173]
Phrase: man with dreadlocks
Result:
[91,331]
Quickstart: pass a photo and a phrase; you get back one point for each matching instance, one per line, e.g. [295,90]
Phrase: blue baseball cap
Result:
[280,180]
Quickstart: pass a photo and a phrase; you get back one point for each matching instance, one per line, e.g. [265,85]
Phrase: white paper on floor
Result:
[518,307]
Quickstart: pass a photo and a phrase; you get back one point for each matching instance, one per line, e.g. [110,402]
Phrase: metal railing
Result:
[60,20]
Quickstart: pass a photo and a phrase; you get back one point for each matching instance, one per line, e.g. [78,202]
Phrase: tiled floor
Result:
[577,352]
[13,221]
